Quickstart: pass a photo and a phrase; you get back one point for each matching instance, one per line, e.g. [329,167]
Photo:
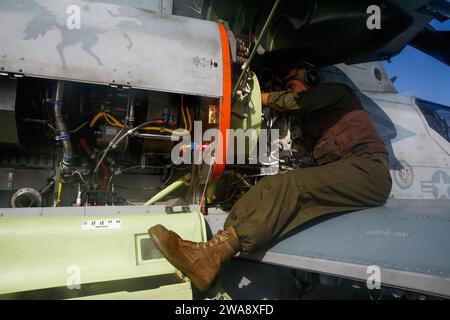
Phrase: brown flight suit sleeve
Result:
[323,96]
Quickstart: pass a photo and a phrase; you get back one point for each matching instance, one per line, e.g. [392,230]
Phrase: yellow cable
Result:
[95,119]
[105,116]
[109,119]
[116,123]
[112,121]
[58,198]
[157,129]
[167,130]
[182,113]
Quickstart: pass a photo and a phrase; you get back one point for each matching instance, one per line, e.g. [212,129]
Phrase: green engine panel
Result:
[46,253]
[253,107]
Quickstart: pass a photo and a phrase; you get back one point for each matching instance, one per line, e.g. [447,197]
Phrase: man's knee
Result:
[253,236]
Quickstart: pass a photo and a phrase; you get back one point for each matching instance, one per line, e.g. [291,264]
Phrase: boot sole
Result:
[198,282]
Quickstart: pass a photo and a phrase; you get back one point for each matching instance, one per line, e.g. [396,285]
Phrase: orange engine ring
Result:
[225,105]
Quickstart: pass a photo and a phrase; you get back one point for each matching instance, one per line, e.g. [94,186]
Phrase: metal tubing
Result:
[153,136]
[63,134]
[258,41]
[171,188]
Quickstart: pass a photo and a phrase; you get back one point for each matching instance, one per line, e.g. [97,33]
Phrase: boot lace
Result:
[217,239]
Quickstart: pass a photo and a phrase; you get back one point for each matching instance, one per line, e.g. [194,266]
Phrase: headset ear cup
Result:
[312,77]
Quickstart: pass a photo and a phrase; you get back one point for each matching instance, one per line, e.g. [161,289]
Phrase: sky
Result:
[420,75]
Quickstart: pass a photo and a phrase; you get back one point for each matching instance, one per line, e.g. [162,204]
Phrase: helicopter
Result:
[96,94]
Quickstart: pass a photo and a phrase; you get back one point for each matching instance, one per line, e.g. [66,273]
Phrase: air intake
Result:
[188,8]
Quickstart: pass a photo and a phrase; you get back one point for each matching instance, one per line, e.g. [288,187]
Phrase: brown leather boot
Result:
[199,261]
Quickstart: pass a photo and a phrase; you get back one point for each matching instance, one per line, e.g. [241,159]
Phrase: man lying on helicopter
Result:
[351,172]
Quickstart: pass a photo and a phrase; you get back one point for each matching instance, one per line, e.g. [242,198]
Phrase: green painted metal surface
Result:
[109,254]
[253,120]
[178,291]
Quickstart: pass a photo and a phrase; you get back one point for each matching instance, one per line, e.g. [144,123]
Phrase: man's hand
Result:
[264,98]
[265,102]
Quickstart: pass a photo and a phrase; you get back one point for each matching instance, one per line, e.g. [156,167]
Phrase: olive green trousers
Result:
[278,204]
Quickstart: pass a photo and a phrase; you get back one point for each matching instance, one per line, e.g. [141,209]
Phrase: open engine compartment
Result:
[65,149]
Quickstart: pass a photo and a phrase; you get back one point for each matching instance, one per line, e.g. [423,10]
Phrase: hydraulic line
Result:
[103,168]
[142,126]
[113,143]
[203,200]
[153,136]
[122,134]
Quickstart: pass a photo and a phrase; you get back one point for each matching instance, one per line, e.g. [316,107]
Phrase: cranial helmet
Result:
[304,72]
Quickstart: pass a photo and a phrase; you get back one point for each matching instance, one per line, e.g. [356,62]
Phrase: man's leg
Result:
[263,212]
[278,204]
[199,261]
[275,206]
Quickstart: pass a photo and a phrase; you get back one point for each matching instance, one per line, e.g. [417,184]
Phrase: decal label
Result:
[388,233]
[439,186]
[101,224]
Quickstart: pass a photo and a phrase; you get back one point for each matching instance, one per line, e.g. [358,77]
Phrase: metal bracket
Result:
[120,86]
[167,7]
[10,179]
[11,75]
[178,209]
[232,41]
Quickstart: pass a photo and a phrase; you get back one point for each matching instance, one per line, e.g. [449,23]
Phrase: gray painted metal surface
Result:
[419,156]
[407,239]
[115,44]
[370,77]
[159,6]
